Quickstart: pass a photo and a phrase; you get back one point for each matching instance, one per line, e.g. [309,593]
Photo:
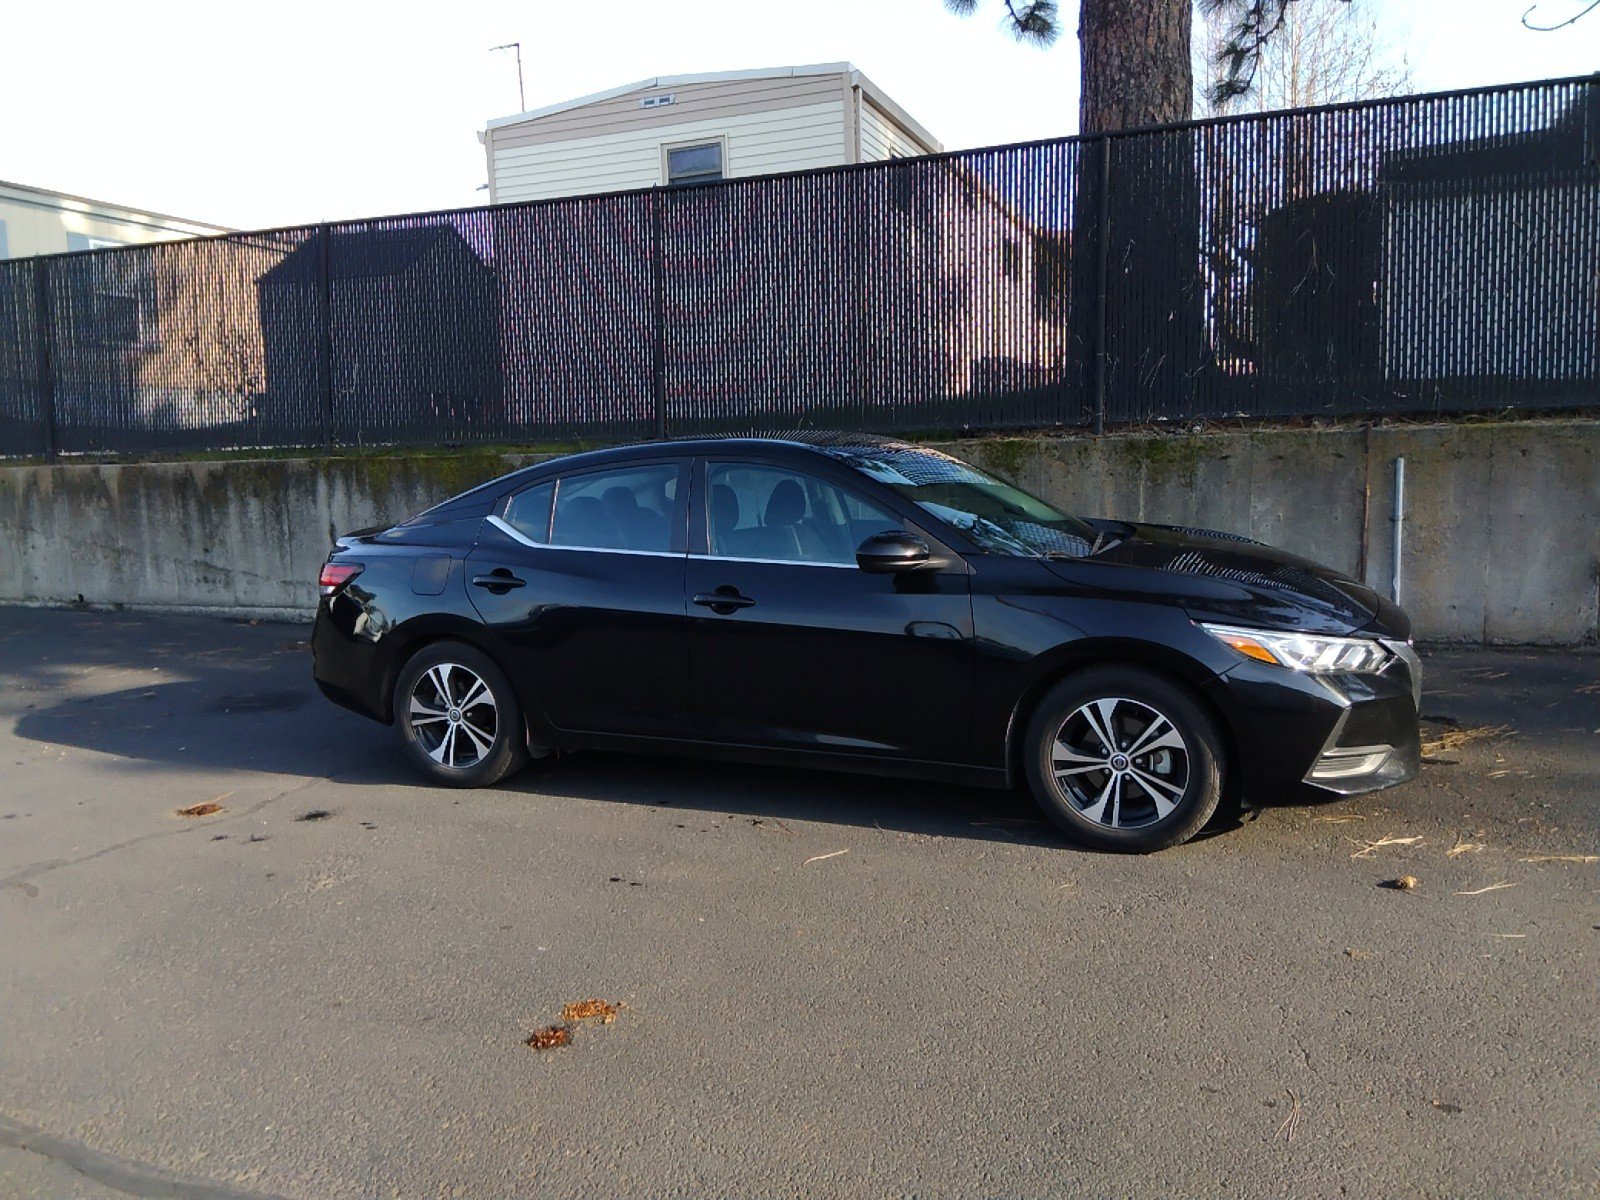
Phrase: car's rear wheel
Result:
[458,716]
[1121,758]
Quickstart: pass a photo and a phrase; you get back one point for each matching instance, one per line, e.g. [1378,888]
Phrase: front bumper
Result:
[1375,743]
[1338,733]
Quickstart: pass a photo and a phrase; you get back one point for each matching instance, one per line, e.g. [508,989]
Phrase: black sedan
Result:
[856,603]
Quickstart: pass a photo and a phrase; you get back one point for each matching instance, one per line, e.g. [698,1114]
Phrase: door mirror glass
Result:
[892,552]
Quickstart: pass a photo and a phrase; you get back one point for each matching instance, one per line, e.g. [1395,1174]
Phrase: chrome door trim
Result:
[513,533]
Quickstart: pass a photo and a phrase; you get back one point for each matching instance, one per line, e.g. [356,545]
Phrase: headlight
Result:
[1309,652]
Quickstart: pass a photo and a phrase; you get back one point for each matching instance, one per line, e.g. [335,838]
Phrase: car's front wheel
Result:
[458,716]
[1121,758]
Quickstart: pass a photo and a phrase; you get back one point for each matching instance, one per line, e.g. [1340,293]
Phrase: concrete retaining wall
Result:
[244,537]
[1502,522]
[1502,538]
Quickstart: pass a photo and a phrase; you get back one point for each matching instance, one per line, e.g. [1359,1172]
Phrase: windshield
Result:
[1001,519]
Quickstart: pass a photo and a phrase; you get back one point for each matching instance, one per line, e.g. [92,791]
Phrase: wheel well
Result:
[420,640]
[1016,732]
[412,643]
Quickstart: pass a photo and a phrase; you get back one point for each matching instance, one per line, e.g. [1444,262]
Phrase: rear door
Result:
[582,579]
[795,647]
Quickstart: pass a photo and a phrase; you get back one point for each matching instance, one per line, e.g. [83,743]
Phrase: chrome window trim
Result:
[777,562]
[516,535]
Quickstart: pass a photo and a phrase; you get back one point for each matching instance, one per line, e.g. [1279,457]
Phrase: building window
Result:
[688,165]
[85,241]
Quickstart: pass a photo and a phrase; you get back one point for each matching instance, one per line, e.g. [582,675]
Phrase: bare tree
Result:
[1135,59]
[1330,51]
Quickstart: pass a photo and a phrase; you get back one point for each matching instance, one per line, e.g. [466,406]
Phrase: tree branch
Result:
[1572,20]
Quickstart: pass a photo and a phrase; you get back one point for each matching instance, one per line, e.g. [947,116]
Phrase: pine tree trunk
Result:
[1136,64]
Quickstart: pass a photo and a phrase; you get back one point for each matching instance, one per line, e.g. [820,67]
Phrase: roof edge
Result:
[112,206]
[881,99]
[834,68]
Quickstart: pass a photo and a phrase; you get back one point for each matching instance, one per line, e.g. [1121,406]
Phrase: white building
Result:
[687,129]
[35,220]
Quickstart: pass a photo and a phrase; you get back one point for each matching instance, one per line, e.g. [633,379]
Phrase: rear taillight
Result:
[335,575]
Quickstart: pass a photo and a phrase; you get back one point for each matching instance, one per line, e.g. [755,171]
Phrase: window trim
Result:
[719,140]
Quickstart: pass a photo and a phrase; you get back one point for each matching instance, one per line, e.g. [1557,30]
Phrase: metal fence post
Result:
[44,366]
[325,331]
[658,279]
[1102,267]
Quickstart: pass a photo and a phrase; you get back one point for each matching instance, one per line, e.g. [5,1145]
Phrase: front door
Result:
[582,579]
[793,646]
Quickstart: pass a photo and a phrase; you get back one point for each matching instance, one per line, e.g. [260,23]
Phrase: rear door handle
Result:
[498,581]
[724,600]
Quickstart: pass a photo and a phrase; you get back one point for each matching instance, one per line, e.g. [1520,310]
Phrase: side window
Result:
[528,512]
[631,508]
[755,511]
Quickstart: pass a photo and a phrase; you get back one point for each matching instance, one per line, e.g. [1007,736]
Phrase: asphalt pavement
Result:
[832,986]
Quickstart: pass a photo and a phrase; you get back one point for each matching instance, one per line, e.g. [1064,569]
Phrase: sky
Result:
[256,116]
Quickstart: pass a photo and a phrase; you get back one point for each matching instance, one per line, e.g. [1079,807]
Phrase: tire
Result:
[1160,796]
[450,742]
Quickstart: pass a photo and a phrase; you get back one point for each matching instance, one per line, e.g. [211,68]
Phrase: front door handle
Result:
[499,581]
[724,600]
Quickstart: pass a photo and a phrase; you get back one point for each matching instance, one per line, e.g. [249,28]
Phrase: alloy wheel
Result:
[1120,762]
[453,715]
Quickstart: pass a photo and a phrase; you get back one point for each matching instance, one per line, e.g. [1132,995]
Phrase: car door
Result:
[793,646]
[582,579]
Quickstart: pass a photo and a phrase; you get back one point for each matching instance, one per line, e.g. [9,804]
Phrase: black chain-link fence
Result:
[1428,254]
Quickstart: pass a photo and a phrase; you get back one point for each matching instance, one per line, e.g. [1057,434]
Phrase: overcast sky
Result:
[256,115]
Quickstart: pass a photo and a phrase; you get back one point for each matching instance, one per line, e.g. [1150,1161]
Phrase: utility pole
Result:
[522,97]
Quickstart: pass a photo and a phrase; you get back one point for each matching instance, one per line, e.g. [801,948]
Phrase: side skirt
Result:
[817,760]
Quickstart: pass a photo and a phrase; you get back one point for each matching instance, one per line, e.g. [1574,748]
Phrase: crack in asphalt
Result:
[124,1175]
[23,878]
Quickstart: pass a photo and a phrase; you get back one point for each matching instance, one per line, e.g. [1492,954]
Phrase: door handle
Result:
[499,581]
[724,600]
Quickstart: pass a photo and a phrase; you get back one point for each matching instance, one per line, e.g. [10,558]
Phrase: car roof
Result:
[821,442]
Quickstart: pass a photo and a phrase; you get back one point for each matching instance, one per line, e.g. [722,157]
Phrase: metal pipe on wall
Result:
[1399,526]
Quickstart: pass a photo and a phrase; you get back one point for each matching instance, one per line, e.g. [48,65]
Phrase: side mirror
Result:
[891,552]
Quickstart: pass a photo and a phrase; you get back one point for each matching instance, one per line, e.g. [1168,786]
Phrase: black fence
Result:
[1428,254]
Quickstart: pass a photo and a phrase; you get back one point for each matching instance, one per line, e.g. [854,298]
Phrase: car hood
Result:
[1225,577]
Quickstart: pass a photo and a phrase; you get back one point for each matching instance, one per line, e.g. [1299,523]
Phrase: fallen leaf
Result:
[549,1037]
[582,1010]
[205,808]
[1463,847]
